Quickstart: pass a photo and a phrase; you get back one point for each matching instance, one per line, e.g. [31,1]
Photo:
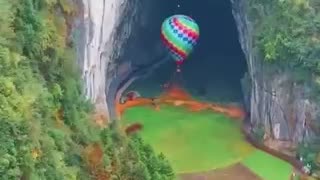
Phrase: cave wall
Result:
[115,39]
[142,50]
[275,100]
[94,34]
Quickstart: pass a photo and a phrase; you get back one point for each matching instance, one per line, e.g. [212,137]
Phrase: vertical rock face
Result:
[137,43]
[97,26]
[277,103]
[116,38]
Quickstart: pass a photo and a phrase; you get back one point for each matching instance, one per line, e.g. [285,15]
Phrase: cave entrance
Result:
[214,70]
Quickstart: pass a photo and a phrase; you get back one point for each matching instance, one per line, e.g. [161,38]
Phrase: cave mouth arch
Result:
[214,70]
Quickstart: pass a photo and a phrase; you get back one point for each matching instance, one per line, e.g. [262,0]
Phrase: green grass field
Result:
[267,166]
[202,141]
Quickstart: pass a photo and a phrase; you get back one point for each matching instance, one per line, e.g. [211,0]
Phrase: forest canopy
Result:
[45,121]
[288,31]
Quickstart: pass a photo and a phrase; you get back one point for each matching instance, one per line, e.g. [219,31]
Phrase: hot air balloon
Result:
[179,34]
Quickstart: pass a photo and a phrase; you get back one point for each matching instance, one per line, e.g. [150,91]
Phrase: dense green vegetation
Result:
[288,30]
[287,34]
[309,153]
[46,129]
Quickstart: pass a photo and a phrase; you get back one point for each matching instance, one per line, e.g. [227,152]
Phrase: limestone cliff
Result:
[96,30]
[276,101]
[114,41]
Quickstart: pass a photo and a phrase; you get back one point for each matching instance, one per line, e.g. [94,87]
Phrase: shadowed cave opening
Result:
[214,70]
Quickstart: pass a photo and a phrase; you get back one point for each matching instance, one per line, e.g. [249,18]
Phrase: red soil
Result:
[133,128]
[93,155]
[178,97]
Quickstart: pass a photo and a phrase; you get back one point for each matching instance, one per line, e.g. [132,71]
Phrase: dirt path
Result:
[234,172]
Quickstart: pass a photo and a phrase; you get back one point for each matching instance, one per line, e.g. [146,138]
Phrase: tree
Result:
[45,119]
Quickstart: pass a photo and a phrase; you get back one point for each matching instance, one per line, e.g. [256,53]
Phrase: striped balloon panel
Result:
[179,33]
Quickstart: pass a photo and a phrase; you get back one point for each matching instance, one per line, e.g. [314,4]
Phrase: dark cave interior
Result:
[214,69]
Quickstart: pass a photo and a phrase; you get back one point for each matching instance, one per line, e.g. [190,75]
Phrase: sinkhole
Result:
[214,70]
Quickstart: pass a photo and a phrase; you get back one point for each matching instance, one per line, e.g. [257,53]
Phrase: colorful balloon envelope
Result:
[179,34]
